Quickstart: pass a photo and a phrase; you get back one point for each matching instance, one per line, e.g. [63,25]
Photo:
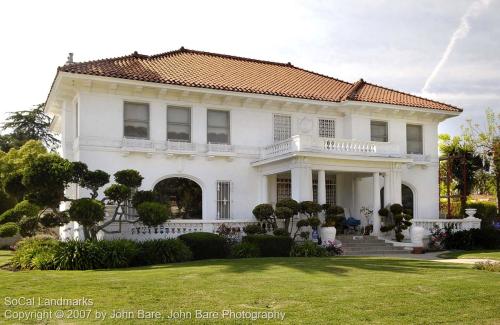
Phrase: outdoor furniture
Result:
[352,225]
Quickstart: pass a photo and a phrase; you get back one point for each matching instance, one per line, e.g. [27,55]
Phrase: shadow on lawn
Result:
[334,265]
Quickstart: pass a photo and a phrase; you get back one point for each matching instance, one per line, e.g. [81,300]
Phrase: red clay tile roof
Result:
[217,71]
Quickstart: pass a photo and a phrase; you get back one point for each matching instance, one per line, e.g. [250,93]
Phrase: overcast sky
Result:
[454,45]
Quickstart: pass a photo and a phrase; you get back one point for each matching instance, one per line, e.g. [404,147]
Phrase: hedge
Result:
[486,211]
[206,245]
[271,246]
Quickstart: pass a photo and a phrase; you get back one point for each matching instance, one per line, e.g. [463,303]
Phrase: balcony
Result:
[180,147]
[220,149]
[304,143]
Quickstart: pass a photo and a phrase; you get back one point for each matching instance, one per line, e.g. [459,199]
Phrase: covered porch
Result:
[349,183]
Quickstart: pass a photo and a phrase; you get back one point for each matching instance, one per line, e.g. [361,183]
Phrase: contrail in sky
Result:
[461,32]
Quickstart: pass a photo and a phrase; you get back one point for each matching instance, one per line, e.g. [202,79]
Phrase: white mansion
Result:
[249,131]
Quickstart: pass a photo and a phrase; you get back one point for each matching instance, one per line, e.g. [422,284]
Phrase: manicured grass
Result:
[342,290]
[5,255]
[486,254]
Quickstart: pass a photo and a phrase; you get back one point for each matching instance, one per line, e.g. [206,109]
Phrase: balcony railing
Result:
[302,143]
[180,147]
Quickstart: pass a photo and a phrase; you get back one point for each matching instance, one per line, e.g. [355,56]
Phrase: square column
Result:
[302,184]
[321,187]
[376,204]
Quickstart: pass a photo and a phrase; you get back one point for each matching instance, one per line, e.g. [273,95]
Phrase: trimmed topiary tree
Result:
[265,213]
[9,229]
[153,213]
[87,212]
[400,220]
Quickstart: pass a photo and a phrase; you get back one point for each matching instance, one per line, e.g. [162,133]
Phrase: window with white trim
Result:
[283,188]
[136,120]
[379,131]
[331,190]
[179,123]
[223,200]
[414,139]
[218,130]
[282,127]
[326,128]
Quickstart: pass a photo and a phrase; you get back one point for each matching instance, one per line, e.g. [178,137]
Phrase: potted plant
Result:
[333,216]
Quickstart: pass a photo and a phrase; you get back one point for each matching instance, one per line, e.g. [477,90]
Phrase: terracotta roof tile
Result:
[225,72]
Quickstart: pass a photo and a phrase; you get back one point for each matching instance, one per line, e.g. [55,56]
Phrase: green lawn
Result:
[489,254]
[4,256]
[343,290]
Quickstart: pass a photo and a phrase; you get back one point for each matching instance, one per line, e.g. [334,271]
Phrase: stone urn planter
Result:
[328,234]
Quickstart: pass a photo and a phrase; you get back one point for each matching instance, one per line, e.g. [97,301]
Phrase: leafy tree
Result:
[286,209]
[265,213]
[27,125]
[399,220]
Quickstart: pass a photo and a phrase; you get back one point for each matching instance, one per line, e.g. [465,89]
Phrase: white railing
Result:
[180,146]
[137,144]
[453,224]
[220,148]
[330,145]
[176,227]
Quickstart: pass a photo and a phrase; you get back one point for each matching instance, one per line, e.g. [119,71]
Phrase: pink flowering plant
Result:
[437,238]
[334,248]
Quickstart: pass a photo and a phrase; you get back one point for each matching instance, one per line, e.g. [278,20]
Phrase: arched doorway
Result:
[407,198]
[183,195]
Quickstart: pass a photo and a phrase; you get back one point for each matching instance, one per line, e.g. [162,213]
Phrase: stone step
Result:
[379,253]
[374,251]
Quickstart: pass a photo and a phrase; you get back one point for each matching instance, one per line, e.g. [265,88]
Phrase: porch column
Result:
[321,187]
[302,183]
[264,189]
[392,187]
[376,203]
[387,189]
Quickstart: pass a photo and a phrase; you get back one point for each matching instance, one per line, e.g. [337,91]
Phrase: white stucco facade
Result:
[89,114]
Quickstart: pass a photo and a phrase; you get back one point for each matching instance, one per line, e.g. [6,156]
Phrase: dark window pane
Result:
[379,131]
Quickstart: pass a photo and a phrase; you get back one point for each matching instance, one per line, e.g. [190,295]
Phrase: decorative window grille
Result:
[223,200]
[282,127]
[179,123]
[414,139]
[136,120]
[283,188]
[331,190]
[327,128]
[379,131]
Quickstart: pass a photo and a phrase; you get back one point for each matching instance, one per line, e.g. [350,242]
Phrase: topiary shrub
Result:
[334,217]
[265,213]
[254,229]
[9,229]
[28,226]
[86,212]
[10,216]
[245,250]
[271,246]
[54,219]
[118,193]
[35,253]
[162,251]
[129,177]
[143,196]
[280,232]
[400,220]
[153,213]
[285,214]
[309,207]
[308,248]
[205,245]
[79,255]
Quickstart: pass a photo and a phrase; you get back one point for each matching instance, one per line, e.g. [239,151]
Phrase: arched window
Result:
[183,195]
[407,198]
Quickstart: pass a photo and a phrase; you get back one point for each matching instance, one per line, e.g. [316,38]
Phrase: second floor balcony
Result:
[306,143]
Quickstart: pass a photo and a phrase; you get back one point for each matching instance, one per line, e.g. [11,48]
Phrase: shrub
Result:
[162,251]
[153,213]
[271,246]
[309,207]
[308,249]
[143,196]
[117,253]
[54,219]
[487,238]
[281,232]
[396,208]
[86,212]
[35,253]
[9,229]
[488,266]
[28,226]
[206,245]
[487,212]
[118,193]
[79,255]
[129,177]
[254,229]
[384,212]
[263,212]
[290,204]
[314,222]
[245,250]
[9,216]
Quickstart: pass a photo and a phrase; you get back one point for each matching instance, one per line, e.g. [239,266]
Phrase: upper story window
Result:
[414,139]
[282,127]
[327,128]
[379,131]
[136,120]
[218,130]
[179,123]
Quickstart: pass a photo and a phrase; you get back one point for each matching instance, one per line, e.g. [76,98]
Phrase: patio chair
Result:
[353,225]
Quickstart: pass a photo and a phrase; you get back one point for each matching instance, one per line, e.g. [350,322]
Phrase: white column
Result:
[396,192]
[264,189]
[321,187]
[392,187]
[376,204]
[387,189]
[302,184]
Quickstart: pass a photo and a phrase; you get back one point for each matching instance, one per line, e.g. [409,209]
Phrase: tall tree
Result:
[26,125]
[486,142]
